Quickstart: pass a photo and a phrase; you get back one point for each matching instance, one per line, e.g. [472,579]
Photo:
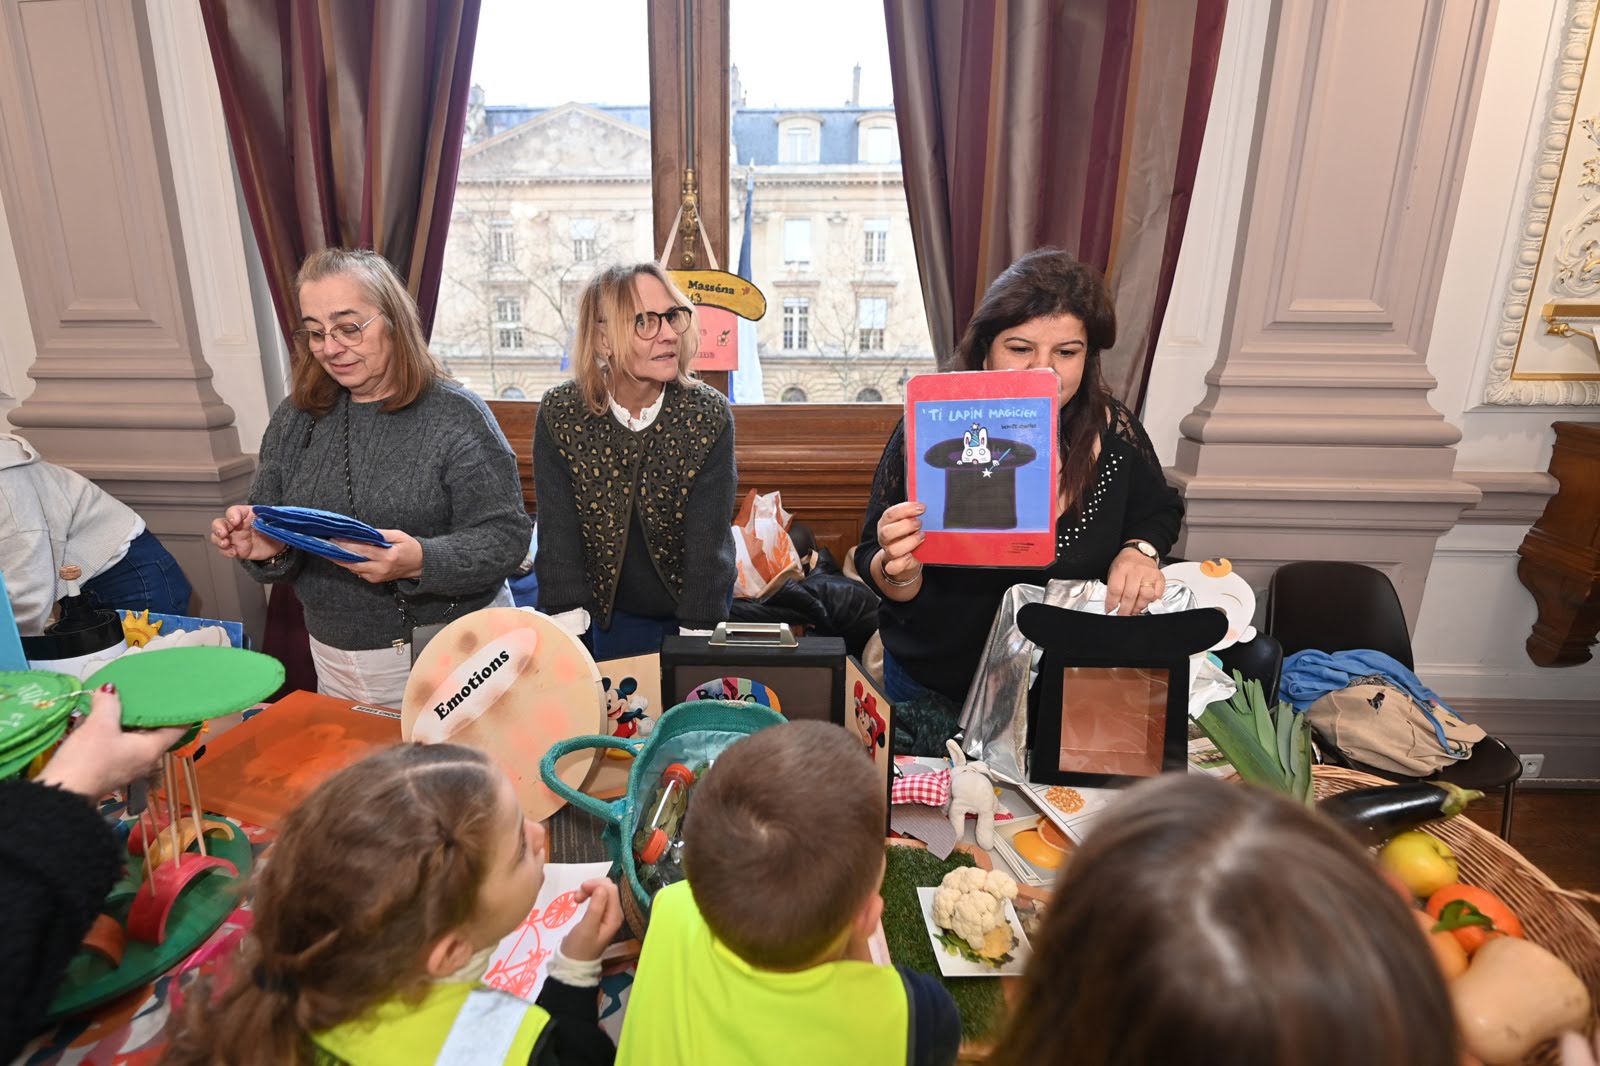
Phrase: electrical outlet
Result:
[1532,765]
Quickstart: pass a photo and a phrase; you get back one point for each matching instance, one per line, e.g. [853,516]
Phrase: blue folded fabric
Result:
[1309,675]
[312,530]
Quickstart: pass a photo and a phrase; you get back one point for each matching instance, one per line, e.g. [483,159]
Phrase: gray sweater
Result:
[440,470]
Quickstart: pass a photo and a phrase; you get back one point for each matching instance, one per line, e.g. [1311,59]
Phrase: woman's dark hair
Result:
[1042,283]
[1206,922]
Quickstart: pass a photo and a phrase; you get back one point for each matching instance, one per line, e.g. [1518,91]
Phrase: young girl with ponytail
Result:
[375,914]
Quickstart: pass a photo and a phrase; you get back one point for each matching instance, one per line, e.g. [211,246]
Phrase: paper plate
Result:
[14,762]
[510,683]
[34,707]
[182,686]
[952,964]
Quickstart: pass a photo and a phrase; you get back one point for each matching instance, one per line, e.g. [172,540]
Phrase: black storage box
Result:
[805,675]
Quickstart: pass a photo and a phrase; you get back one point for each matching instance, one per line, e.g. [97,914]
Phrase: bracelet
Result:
[276,560]
[889,579]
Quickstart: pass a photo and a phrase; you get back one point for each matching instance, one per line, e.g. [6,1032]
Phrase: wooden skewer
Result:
[193,783]
[149,843]
[169,766]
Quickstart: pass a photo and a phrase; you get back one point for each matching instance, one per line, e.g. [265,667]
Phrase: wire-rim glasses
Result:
[347,333]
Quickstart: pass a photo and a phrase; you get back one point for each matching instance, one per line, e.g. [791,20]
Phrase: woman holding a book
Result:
[1118,515]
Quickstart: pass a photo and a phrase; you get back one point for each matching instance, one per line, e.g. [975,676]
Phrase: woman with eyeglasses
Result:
[634,472]
[373,429]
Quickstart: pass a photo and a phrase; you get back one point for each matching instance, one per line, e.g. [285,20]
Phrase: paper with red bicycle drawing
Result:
[521,962]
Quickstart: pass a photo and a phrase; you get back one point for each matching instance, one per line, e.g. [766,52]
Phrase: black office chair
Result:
[1345,606]
[1260,659]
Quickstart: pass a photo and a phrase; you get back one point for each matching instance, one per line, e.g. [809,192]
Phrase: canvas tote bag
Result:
[1380,725]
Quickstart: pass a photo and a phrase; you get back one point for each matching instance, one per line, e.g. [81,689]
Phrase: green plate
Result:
[34,703]
[17,760]
[91,980]
[182,686]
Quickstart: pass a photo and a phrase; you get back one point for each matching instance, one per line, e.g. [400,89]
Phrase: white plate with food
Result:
[956,956]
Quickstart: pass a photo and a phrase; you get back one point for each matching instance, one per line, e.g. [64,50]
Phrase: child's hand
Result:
[599,923]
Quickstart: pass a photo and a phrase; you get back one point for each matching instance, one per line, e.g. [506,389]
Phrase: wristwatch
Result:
[1144,548]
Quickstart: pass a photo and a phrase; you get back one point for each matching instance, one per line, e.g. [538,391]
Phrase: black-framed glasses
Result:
[347,334]
[647,324]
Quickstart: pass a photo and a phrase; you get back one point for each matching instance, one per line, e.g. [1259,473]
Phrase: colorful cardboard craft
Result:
[719,339]
[510,683]
[718,288]
[870,719]
[983,456]
[1219,587]
[182,686]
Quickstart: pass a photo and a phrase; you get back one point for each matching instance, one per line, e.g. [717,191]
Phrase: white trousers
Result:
[377,676]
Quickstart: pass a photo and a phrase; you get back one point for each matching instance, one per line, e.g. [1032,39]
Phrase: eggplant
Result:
[1373,815]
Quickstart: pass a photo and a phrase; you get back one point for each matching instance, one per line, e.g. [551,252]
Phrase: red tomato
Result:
[1491,906]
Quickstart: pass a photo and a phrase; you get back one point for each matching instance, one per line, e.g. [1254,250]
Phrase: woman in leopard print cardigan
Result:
[634,472]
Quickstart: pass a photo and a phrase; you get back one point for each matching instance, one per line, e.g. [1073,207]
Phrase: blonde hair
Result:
[606,310]
[412,368]
[381,860]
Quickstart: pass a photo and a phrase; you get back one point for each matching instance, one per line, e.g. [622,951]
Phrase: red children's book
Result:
[982,453]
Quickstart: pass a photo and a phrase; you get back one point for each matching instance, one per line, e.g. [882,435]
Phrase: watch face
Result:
[1147,550]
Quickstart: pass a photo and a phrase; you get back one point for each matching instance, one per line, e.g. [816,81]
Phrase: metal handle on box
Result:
[753,634]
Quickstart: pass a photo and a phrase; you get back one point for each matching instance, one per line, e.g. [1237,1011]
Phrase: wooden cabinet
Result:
[1560,561]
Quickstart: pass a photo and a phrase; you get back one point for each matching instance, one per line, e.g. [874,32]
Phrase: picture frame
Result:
[1111,706]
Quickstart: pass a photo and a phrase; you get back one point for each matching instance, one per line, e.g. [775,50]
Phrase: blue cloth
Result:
[1309,675]
[147,577]
[630,634]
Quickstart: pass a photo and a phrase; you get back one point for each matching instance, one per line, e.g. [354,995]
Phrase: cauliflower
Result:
[971,904]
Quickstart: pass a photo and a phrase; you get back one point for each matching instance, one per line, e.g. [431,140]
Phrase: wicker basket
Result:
[1550,916]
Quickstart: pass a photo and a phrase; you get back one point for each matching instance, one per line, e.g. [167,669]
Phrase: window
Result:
[877,248]
[584,234]
[508,323]
[879,144]
[796,323]
[869,395]
[511,392]
[502,245]
[798,140]
[793,394]
[872,318]
[797,240]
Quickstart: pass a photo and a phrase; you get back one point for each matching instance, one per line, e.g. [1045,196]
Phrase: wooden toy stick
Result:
[193,783]
[170,769]
[149,844]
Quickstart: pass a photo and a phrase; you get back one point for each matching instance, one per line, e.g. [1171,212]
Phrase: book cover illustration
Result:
[982,454]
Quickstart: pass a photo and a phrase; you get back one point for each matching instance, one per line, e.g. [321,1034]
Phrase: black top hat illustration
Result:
[980,494]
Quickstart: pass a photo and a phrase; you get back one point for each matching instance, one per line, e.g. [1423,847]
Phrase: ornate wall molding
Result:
[1544,173]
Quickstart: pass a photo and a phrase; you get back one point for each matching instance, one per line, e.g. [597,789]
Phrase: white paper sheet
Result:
[521,962]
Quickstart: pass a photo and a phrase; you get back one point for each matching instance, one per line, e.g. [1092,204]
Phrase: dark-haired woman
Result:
[1118,514]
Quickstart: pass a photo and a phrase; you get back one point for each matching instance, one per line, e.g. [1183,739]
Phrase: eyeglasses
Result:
[647,324]
[347,334]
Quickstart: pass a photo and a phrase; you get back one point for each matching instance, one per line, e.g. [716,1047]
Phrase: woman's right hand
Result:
[900,534]
[235,536]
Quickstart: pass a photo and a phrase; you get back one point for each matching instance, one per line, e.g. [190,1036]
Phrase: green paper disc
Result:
[182,686]
[33,704]
[15,762]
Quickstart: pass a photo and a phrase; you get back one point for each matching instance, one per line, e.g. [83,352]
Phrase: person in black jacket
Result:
[59,858]
[1118,515]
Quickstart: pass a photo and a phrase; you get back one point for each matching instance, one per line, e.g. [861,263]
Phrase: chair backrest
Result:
[1337,607]
[1261,659]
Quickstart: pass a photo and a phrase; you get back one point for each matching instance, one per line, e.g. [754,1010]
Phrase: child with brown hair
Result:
[1206,922]
[761,955]
[375,914]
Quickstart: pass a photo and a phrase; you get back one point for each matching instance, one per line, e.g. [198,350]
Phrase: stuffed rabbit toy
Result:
[971,792]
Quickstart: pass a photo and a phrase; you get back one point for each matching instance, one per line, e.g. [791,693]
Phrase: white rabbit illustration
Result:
[975,445]
[971,792]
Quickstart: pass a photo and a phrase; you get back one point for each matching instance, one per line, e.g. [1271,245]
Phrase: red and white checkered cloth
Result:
[932,789]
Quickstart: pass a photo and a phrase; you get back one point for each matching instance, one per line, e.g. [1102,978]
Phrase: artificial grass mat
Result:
[905,870]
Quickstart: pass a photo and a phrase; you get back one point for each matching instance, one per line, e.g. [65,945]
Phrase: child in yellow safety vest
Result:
[374,916]
[761,957]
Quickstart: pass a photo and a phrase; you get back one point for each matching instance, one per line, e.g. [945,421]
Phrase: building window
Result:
[793,394]
[872,318]
[508,323]
[878,144]
[796,323]
[869,395]
[502,244]
[797,240]
[877,247]
[584,234]
[799,140]
[511,392]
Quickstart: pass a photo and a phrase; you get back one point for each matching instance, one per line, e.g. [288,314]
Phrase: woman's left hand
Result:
[1133,583]
[402,560]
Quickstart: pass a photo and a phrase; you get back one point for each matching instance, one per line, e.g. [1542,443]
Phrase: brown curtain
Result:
[346,119]
[1073,123]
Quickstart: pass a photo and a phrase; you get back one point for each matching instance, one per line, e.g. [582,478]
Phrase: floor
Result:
[1558,830]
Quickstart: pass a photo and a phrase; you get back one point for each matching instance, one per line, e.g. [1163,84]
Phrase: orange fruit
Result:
[1491,906]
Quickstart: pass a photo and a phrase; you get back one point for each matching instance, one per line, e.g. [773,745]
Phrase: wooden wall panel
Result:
[820,456]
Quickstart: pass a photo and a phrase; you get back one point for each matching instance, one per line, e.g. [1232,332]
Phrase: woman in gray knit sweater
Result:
[374,430]
[634,473]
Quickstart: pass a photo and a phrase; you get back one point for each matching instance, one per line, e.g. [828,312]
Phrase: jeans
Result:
[148,577]
[629,634]
[898,685]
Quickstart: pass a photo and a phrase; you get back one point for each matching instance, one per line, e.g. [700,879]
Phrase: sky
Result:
[539,53]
